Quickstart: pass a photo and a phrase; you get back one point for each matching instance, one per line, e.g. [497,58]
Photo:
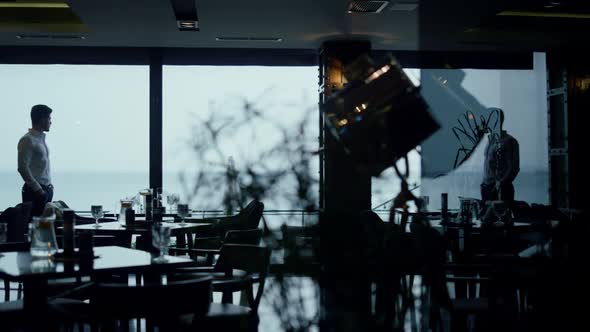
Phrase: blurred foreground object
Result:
[379,116]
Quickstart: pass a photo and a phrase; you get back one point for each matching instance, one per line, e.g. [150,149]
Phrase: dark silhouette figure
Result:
[501,166]
[33,161]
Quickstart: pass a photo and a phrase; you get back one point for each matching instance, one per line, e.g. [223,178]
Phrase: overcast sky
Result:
[101,113]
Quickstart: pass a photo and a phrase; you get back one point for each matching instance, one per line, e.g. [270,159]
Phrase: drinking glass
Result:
[161,239]
[500,210]
[172,199]
[97,213]
[43,241]
[183,212]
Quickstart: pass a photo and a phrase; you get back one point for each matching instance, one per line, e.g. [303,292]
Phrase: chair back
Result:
[250,216]
[160,302]
[249,258]
[17,218]
[248,236]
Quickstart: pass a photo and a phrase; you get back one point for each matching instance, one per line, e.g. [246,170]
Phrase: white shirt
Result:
[33,160]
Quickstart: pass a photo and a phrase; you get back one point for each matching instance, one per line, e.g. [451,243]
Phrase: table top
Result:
[20,265]
[115,227]
[437,223]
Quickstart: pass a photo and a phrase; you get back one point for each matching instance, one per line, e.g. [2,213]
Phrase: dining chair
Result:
[17,221]
[168,307]
[210,247]
[248,218]
[238,268]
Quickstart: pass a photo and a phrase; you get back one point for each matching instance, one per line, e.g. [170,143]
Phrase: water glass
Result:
[183,212]
[3,232]
[161,239]
[172,200]
[500,209]
[43,241]
[97,213]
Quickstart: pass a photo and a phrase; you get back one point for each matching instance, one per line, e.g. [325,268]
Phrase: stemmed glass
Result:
[172,199]
[183,212]
[161,239]
[97,213]
[500,209]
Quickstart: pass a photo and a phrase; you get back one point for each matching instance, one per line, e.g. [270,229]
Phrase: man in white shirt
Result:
[33,161]
[501,166]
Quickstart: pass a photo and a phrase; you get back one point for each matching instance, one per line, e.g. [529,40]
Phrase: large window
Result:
[99,138]
[453,158]
[261,122]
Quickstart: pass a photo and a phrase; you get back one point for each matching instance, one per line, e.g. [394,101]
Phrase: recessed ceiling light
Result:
[56,37]
[542,14]
[366,6]
[250,39]
[184,25]
[186,15]
[16,4]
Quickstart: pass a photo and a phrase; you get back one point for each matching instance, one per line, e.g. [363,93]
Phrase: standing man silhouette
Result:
[501,166]
[33,161]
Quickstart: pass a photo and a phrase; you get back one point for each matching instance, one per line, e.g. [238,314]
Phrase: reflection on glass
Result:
[42,266]
[161,239]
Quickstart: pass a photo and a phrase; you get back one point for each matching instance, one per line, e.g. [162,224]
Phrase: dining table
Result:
[182,232]
[34,272]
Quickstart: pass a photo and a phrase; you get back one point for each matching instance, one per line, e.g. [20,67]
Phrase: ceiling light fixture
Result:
[188,25]
[366,6]
[16,4]
[185,12]
[56,37]
[543,14]
[250,39]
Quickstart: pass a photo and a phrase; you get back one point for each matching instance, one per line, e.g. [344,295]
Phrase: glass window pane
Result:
[264,118]
[463,101]
[98,141]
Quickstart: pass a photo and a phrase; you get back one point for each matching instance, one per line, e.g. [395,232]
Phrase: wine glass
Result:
[161,239]
[97,213]
[500,209]
[183,212]
[172,199]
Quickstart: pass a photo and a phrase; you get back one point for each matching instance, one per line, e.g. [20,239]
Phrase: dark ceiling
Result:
[451,25]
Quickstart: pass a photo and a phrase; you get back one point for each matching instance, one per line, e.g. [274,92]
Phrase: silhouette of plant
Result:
[277,169]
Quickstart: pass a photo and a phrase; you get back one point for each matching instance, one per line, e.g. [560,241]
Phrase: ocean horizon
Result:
[81,189]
